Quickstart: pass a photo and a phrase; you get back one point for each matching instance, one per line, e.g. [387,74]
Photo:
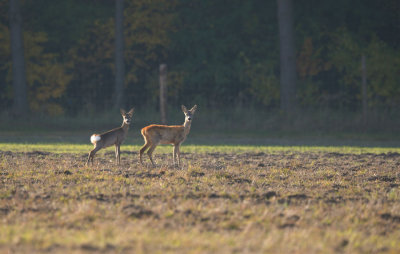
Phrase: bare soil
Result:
[286,202]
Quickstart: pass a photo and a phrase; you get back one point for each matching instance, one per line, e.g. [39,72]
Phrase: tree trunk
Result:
[20,105]
[119,54]
[163,93]
[288,75]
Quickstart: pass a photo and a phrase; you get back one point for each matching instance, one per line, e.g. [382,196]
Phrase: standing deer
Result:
[164,134]
[113,137]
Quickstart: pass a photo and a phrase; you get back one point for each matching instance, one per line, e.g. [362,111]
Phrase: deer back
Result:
[112,137]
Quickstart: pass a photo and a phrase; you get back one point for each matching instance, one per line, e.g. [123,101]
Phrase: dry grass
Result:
[282,202]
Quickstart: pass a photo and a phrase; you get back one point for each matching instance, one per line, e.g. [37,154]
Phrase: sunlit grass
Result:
[84,148]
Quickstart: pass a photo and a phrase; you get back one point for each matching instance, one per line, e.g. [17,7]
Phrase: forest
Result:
[218,53]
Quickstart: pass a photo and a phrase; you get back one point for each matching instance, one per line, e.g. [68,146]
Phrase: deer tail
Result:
[95,138]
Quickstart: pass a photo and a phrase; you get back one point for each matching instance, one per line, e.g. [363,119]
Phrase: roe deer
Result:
[113,137]
[164,134]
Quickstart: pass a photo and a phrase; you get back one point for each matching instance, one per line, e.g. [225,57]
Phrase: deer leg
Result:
[91,155]
[175,153]
[178,153]
[88,159]
[150,153]
[117,155]
[142,150]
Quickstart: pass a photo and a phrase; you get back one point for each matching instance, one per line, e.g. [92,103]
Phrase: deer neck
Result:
[125,127]
[186,127]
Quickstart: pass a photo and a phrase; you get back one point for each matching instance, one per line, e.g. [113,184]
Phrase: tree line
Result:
[275,55]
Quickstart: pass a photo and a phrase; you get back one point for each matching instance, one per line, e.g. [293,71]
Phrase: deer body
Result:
[112,137]
[166,134]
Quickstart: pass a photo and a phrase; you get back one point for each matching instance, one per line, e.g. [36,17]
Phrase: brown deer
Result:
[113,137]
[166,134]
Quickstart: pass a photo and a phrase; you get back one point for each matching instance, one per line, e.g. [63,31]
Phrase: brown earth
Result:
[285,202]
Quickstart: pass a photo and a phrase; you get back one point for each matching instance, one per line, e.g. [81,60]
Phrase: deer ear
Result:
[184,109]
[122,111]
[131,111]
[193,109]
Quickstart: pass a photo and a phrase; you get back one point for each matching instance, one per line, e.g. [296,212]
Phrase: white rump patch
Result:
[95,138]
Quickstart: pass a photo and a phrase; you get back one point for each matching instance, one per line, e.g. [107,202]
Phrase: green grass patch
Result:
[84,148]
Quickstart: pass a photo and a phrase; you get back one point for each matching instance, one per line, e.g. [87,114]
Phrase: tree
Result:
[46,78]
[119,53]
[345,52]
[288,75]
[20,106]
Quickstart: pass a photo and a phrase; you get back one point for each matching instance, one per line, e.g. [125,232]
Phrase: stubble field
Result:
[228,201]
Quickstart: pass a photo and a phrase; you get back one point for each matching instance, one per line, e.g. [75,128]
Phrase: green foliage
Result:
[382,63]
[217,53]
[92,62]
[46,78]
[147,26]
[224,54]
[65,22]
[262,81]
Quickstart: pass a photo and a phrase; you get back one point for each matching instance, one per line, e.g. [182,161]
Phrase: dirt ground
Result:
[285,202]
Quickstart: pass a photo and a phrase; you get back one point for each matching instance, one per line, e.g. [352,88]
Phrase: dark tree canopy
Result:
[217,52]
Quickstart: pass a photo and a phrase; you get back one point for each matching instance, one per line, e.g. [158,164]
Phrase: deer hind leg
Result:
[142,150]
[150,153]
[88,159]
[91,155]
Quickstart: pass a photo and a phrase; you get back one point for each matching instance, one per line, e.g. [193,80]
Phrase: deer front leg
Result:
[174,154]
[117,154]
[178,153]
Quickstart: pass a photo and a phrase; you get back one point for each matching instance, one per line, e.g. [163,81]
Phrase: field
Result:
[225,199]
